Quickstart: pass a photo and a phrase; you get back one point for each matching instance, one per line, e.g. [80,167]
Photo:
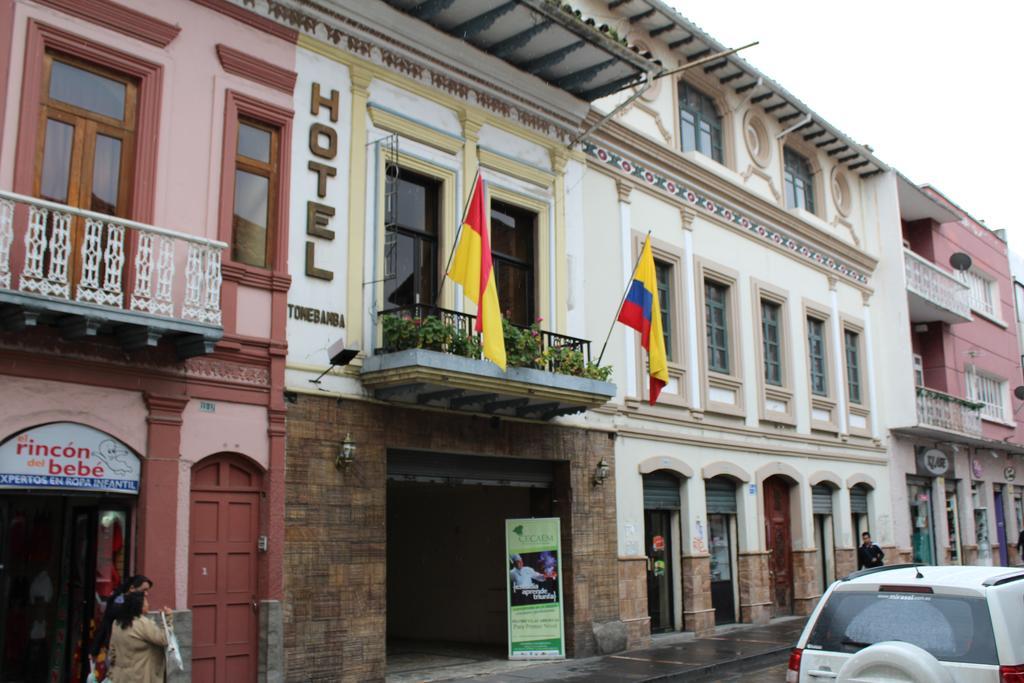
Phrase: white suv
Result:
[916,623]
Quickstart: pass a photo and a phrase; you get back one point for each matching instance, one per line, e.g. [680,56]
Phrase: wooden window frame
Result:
[717,384]
[828,403]
[542,284]
[41,38]
[531,266]
[269,170]
[238,107]
[776,403]
[418,235]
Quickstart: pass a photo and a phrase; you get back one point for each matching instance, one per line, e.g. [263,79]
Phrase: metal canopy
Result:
[690,43]
[538,37]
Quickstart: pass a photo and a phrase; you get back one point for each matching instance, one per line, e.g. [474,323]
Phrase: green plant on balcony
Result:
[524,347]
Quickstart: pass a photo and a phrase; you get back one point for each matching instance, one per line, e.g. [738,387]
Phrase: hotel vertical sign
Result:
[323,144]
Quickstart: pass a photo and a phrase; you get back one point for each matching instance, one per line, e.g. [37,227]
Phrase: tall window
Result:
[852,343]
[799,181]
[255,208]
[717,320]
[984,293]
[988,390]
[664,275]
[410,239]
[513,232]
[699,123]
[86,140]
[816,356]
[771,337]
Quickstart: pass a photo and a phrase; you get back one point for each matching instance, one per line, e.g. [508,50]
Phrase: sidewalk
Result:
[732,646]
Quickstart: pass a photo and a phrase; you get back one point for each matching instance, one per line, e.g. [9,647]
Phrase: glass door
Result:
[922,536]
[997,503]
[658,531]
[721,568]
[953,528]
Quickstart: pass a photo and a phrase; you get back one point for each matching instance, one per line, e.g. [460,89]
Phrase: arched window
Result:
[799,181]
[700,126]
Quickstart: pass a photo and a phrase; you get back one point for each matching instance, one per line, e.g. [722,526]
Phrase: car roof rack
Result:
[883,568]
[1004,578]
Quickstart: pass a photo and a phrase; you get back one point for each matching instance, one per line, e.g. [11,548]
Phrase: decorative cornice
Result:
[680,191]
[624,190]
[223,371]
[687,215]
[254,20]
[241,64]
[119,18]
[427,69]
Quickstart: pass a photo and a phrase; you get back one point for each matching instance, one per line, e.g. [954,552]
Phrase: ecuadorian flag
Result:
[642,311]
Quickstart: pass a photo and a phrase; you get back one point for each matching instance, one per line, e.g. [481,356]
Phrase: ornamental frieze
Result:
[677,189]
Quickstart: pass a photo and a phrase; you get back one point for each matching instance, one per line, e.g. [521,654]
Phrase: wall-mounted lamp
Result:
[347,454]
[602,472]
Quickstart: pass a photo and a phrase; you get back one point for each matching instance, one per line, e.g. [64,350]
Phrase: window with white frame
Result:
[918,370]
[988,390]
[984,292]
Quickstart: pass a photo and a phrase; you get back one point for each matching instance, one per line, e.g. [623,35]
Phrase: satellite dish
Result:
[1019,393]
[960,261]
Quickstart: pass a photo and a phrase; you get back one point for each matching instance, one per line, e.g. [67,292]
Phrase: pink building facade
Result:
[144,156]
[958,462]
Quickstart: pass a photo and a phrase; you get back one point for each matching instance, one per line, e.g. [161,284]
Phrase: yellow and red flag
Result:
[473,269]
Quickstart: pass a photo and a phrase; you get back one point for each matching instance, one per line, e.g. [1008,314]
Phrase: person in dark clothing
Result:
[101,640]
[1020,547]
[869,554]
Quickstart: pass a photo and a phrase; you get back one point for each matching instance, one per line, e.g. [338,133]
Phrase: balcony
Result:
[946,413]
[88,274]
[430,356]
[934,294]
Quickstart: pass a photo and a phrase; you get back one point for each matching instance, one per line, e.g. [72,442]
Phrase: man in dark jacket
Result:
[1020,547]
[869,554]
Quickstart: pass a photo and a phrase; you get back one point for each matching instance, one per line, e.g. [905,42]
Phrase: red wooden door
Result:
[223,531]
[780,544]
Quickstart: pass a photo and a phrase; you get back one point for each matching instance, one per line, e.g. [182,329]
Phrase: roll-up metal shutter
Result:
[821,499]
[859,500]
[661,491]
[720,494]
[444,468]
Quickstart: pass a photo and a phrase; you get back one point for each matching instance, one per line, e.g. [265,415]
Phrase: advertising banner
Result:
[66,455]
[536,628]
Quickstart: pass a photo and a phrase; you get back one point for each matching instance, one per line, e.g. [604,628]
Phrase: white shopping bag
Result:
[174,662]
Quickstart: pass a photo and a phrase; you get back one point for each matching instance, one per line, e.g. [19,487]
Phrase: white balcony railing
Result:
[937,286]
[937,409]
[81,256]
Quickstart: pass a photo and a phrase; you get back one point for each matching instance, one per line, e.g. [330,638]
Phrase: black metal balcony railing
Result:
[425,326]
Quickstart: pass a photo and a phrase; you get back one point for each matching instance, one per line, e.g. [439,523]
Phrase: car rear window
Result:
[952,628]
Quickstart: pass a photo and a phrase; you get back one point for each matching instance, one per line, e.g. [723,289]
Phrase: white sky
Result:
[935,88]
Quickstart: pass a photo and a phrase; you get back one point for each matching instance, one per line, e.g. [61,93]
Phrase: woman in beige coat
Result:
[137,644]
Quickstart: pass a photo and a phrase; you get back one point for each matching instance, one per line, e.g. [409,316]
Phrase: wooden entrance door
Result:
[780,545]
[223,573]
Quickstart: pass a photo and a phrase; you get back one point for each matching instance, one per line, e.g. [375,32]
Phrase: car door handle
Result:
[820,673]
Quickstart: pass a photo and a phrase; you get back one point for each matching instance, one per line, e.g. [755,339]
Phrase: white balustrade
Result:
[930,282]
[937,409]
[82,256]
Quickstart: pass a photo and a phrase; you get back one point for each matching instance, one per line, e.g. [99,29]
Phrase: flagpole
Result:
[458,232]
[629,284]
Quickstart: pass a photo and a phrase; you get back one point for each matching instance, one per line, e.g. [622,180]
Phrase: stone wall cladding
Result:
[335,554]
[755,600]
[806,580]
[846,562]
[698,611]
[633,601]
